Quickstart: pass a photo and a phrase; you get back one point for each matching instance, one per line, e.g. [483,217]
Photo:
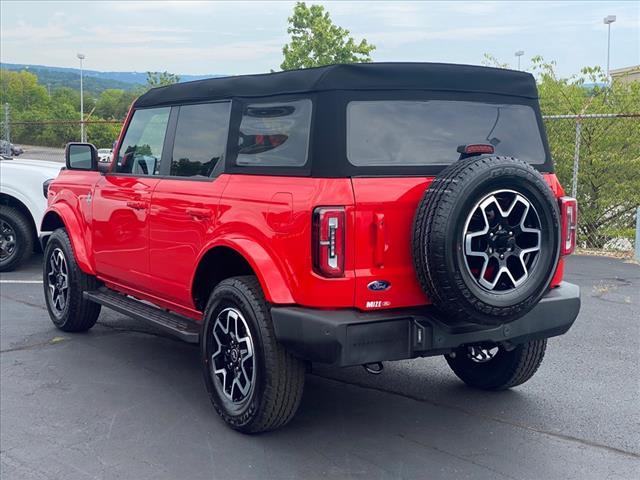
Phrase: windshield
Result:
[396,133]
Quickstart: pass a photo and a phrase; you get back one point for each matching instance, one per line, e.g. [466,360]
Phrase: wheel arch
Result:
[234,257]
[62,216]
[12,201]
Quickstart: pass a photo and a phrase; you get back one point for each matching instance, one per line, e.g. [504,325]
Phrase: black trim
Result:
[169,139]
[351,337]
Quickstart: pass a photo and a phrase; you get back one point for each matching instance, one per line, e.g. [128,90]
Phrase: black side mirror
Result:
[81,156]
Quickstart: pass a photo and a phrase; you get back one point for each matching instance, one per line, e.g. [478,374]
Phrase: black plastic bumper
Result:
[351,337]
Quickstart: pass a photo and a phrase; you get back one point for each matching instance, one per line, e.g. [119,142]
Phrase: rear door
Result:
[184,205]
[421,137]
[122,199]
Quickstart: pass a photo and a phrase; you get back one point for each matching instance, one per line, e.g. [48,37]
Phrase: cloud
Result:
[393,39]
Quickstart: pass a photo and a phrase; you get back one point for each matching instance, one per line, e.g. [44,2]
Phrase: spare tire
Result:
[486,240]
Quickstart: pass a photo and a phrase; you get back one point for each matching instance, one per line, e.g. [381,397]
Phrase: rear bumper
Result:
[351,337]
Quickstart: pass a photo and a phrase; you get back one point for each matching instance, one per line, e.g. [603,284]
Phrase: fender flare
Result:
[270,276]
[76,235]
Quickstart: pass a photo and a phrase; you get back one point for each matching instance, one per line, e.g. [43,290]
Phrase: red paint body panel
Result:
[182,221]
[121,207]
[70,197]
[145,236]
[385,208]
[274,214]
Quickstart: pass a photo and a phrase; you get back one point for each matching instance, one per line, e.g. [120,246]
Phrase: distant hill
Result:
[94,81]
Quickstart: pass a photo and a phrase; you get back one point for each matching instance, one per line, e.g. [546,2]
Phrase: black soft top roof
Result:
[363,76]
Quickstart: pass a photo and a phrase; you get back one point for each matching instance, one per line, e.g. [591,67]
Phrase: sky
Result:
[247,37]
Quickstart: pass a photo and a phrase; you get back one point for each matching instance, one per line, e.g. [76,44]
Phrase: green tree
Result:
[160,79]
[114,104]
[489,60]
[22,91]
[316,41]
[608,181]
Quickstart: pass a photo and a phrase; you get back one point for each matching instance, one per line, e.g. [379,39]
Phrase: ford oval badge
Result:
[379,285]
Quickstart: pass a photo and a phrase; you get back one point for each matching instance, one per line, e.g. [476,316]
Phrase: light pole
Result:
[608,20]
[81,57]
[519,54]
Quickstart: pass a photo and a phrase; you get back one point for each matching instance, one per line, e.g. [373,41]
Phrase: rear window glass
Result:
[201,139]
[274,134]
[400,132]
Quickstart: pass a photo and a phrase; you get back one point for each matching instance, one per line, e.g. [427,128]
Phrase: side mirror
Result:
[81,156]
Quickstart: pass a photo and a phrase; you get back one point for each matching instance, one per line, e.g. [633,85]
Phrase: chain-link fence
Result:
[597,159]
[45,140]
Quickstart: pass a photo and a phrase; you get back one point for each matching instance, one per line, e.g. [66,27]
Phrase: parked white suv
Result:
[23,200]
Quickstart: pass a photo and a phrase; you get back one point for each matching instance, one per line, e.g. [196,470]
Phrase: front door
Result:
[122,201]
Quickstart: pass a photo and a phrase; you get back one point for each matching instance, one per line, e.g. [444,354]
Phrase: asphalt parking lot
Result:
[123,401]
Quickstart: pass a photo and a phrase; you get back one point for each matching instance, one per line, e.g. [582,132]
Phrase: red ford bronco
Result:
[348,215]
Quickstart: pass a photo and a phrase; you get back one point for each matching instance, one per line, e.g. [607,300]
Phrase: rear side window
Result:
[274,134]
[141,148]
[201,139]
[397,133]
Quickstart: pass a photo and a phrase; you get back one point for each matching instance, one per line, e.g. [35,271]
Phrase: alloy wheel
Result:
[478,354]
[58,281]
[7,241]
[502,241]
[233,363]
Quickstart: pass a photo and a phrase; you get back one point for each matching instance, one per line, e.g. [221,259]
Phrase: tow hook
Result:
[373,368]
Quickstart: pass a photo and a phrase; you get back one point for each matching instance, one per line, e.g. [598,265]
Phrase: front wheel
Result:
[492,367]
[64,284]
[16,238]
[255,385]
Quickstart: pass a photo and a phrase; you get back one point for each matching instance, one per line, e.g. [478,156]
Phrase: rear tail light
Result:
[569,211]
[328,241]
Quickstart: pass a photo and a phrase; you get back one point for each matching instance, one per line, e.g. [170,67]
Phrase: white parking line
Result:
[20,281]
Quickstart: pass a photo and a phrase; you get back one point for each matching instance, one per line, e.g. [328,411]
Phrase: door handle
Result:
[199,213]
[136,205]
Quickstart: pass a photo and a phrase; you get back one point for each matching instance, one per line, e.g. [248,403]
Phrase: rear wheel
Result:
[64,284]
[492,367]
[254,384]
[16,238]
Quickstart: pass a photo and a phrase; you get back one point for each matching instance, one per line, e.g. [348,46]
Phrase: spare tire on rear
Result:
[486,240]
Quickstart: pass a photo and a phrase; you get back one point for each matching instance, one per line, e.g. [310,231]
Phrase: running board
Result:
[182,327]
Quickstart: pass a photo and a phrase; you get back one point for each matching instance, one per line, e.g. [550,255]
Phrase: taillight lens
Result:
[328,241]
[569,211]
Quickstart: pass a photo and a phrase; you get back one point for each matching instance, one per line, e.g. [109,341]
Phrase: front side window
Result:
[141,148]
[411,133]
[274,134]
[201,139]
